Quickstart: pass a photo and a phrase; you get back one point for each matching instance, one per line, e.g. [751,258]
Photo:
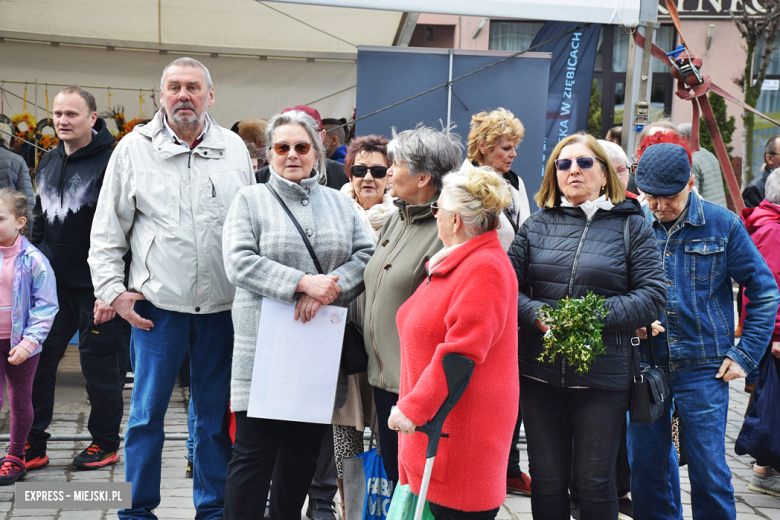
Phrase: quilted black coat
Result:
[559,253]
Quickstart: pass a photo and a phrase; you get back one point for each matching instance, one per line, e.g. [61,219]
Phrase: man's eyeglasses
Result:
[301,148]
[360,171]
[583,162]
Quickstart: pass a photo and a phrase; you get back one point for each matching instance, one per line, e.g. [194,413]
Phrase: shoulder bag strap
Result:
[298,227]
[649,328]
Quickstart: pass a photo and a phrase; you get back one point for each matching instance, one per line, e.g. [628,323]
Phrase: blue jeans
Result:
[191,431]
[157,356]
[655,476]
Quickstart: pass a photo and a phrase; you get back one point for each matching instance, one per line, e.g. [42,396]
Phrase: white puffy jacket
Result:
[168,205]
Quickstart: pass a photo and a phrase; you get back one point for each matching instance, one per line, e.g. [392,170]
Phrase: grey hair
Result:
[770,146]
[478,195]
[684,129]
[772,188]
[427,150]
[187,62]
[615,153]
[297,117]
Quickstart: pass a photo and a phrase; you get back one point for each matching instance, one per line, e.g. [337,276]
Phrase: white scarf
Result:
[590,207]
[376,216]
[441,256]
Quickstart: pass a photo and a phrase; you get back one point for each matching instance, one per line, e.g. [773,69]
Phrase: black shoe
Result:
[95,457]
[320,510]
[625,508]
[33,458]
[188,472]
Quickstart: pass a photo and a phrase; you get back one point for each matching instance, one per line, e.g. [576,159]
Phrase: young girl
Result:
[28,304]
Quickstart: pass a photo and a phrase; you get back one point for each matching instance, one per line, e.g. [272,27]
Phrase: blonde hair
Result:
[549,195]
[478,195]
[488,127]
[253,129]
[18,206]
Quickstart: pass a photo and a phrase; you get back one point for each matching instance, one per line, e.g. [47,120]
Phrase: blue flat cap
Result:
[663,170]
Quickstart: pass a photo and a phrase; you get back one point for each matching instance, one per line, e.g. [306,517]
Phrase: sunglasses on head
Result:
[583,162]
[360,171]
[301,148]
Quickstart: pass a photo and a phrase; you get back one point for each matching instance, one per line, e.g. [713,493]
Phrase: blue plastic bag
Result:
[366,486]
[759,436]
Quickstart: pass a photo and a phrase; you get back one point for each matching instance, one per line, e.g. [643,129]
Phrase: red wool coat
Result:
[467,306]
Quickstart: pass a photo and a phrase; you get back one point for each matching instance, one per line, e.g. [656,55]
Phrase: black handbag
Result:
[354,358]
[649,387]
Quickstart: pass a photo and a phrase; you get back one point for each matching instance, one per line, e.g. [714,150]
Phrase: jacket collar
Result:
[416,212]
[212,146]
[694,217]
[458,255]
[27,247]
[288,189]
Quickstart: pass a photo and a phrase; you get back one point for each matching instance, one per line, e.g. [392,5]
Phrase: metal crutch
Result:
[458,370]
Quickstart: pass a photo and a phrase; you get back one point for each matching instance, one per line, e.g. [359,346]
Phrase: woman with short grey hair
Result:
[421,158]
[266,257]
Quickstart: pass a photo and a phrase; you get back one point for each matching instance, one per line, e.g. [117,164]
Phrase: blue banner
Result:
[571,76]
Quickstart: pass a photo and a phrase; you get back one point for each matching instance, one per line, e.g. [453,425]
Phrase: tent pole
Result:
[449,93]
[648,12]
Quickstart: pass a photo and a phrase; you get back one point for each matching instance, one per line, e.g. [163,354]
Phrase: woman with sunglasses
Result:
[421,158]
[366,166]
[576,244]
[265,257]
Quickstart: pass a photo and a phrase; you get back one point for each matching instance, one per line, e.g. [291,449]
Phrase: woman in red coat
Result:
[467,306]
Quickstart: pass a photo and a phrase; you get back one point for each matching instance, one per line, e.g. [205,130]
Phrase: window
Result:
[512,36]
[768,103]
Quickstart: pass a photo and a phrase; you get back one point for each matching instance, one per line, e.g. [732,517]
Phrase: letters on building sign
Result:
[710,8]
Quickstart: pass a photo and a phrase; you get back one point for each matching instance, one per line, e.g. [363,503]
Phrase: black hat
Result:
[663,170]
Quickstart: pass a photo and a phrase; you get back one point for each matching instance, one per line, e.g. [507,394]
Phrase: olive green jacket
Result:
[407,241]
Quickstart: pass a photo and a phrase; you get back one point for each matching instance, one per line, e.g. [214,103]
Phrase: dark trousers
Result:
[513,467]
[324,485]
[254,456]
[388,439]
[587,422]
[445,513]
[104,353]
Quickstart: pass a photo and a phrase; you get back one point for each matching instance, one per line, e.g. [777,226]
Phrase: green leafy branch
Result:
[575,330]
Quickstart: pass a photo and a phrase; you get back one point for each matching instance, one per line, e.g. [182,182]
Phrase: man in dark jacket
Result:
[753,193]
[704,247]
[13,171]
[69,181]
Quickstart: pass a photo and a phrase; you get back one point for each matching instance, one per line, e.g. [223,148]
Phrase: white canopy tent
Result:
[263,57]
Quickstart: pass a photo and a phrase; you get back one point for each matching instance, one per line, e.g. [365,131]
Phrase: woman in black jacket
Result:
[576,244]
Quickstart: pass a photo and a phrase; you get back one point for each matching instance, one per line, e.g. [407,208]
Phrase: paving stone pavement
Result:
[71,412]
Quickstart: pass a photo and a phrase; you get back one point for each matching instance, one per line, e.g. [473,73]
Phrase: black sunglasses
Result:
[301,148]
[360,171]
[435,208]
[583,162]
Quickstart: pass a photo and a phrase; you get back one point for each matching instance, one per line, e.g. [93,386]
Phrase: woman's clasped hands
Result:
[320,289]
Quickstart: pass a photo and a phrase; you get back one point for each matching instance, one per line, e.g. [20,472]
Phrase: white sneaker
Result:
[768,483]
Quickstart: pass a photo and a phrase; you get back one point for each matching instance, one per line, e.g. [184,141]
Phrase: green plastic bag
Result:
[404,503]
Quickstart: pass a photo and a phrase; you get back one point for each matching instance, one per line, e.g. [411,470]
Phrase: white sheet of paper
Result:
[296,364]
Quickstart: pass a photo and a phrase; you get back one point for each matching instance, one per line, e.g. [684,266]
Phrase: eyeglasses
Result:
[583,162]
[301,148]
[360,171]
[435,208]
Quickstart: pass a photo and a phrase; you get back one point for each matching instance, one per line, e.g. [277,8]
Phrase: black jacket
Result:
[753,193]
[334,171]
[558,253]
[14,174]
[68,189]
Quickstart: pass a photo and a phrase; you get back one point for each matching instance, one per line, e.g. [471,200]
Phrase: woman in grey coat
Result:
[265,257]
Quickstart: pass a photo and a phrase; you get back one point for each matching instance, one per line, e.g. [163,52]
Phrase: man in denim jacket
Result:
[704,247]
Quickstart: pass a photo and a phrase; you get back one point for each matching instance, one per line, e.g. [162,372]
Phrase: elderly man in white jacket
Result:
[167,190]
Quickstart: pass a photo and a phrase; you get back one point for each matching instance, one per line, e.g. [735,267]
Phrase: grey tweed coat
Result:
[265,256]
